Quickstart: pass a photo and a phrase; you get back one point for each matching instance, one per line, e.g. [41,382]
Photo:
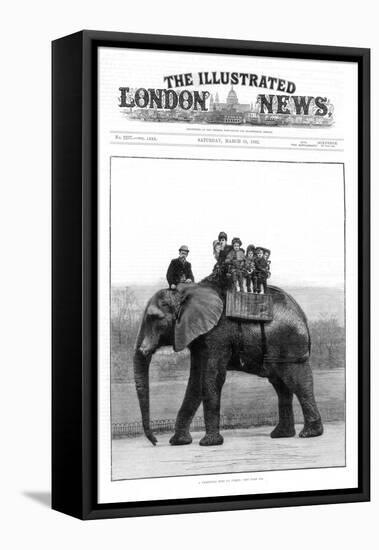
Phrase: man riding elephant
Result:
[180,270]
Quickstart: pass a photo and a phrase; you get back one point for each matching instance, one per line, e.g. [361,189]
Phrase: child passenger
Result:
[249,266]
[260,272]
[216,249]
[266,255]
[235,261]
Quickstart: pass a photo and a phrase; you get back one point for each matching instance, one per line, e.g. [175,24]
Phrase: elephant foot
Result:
[312,429]
[211,439]
[283,431]
[181,439]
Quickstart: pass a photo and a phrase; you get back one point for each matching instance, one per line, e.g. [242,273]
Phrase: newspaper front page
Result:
[193,148]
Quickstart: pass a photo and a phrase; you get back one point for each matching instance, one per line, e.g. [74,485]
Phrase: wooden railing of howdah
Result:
[249,306]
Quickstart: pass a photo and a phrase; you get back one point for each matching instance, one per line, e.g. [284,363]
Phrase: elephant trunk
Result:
[141,377]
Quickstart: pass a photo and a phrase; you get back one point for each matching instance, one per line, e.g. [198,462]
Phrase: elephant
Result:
[193,317]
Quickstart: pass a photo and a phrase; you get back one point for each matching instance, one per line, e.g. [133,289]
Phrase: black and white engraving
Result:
[227,276]
[188,332]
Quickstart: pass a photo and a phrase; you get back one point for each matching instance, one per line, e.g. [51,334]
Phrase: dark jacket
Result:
[261,267]
[224,253]
[179,271]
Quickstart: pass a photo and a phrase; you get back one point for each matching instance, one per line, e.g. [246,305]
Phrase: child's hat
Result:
[236,240]
[222,235]
[250,247]
[266,250]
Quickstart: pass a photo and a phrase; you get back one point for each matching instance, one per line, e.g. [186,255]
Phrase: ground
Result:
[244,450]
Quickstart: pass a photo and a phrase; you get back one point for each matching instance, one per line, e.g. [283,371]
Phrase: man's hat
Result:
[222,235]
[184,247]
[236,240]
[250,247]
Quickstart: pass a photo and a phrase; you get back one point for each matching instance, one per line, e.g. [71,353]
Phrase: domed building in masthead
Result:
[232,98]
[231,103]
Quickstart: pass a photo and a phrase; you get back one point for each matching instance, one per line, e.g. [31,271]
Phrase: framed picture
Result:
[210,274]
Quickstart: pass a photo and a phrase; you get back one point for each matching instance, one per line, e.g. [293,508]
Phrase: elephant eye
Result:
[155,315]
[154,311]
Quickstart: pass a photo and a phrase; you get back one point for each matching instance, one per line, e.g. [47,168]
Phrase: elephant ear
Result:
[200,311]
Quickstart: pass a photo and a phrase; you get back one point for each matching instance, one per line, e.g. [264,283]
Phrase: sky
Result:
[294,209]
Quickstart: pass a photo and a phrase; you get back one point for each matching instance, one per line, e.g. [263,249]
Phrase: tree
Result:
[328,343]
[125,313]
[125,317]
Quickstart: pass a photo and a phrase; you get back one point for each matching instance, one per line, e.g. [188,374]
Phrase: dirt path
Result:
[244,450]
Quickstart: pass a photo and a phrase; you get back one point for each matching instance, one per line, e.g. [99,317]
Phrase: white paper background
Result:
[142,68]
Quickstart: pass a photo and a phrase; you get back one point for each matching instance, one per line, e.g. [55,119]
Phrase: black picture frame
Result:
[74,273]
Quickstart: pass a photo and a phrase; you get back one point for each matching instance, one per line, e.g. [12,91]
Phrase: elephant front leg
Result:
[213,380]
[191,403]
[286,424]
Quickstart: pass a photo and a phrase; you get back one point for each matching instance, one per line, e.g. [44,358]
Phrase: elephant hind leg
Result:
[286,424]
[299,379]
